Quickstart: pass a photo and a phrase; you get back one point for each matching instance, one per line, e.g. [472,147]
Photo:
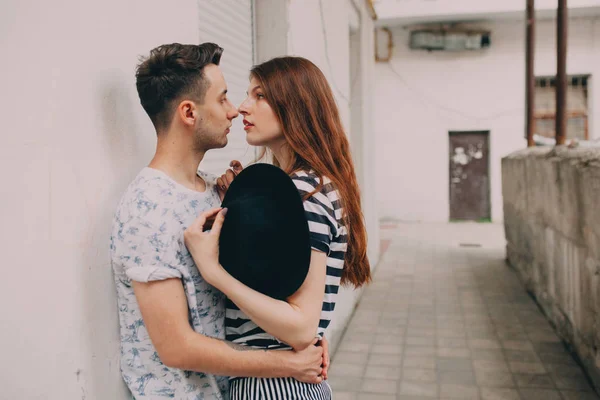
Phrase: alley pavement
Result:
[445,318]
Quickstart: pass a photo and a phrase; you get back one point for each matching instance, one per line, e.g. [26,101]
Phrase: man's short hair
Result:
[171,72]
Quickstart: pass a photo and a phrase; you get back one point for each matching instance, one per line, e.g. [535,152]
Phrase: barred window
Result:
[577,106]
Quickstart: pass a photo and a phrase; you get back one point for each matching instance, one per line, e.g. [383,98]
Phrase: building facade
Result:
[443,119]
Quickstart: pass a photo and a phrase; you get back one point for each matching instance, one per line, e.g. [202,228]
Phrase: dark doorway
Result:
[470,176]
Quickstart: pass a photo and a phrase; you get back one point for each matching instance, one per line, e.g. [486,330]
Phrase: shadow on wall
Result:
[126,149]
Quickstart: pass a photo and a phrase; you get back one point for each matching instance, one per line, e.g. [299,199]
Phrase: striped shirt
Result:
[327,234]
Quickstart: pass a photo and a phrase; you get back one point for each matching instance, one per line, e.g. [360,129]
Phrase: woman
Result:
[290,110]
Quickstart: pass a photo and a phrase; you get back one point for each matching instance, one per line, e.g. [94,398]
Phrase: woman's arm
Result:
[294,322]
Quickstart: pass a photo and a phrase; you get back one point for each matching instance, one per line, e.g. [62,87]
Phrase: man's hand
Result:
[203,245]
[307,364]
[325,345]
[225,180]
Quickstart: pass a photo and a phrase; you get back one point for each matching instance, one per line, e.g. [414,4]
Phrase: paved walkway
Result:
[445,318]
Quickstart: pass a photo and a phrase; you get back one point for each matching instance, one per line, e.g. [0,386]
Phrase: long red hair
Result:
[303,102]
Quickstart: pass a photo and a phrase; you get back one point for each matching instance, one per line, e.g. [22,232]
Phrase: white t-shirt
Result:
[146,245]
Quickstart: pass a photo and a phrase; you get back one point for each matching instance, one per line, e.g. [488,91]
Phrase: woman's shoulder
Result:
[312,179]
[322,188]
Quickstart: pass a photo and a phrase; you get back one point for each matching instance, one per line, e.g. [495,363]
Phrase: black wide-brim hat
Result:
[264,242]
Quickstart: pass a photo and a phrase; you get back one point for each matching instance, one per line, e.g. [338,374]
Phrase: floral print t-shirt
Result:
[146,245]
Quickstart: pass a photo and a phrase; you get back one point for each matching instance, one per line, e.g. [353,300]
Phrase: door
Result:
[469,176]
[230,24]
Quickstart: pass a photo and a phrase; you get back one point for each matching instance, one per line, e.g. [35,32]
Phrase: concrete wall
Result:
[420,96]
[553,239]
[321,32]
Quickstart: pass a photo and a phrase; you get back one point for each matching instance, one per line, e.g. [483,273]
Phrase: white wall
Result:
[393,10]
[74,135]
[320,32]
[433,93]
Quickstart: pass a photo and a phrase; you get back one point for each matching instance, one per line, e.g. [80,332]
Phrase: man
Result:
[172,321]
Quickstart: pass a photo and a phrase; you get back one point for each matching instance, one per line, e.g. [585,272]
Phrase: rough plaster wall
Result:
[427,94]
[553,236]
[74,137]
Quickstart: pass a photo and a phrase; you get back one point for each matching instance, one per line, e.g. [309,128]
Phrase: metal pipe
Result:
[561,73]
[390,46]
[529,73]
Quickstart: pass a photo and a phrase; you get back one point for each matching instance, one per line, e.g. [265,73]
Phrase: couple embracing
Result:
[194,323]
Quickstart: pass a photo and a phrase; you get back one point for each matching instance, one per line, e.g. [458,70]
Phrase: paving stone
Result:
[347,370]
[419,375]
[382,338]
[527,368]
[521,356]
[343,383]
[463,392]
[573,395]
[418,389]
[383,372]
[522,345]
[390,349]
[453,352]
[540,394]
[494,379]
[534,380]
[373,396]
[344,357]
[420,341]
[354,347]
[443,322]
[490,365]
[339,395]
[385,359]
[451,364]
[420,351]
[419,362]
[488,393]
[457,377]
[383,386]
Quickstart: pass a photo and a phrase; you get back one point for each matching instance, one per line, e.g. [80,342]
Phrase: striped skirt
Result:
[277,389]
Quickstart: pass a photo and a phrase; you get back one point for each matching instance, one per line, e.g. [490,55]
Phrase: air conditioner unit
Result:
[454,40]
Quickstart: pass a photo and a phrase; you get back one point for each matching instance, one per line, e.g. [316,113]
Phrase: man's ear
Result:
[187,112]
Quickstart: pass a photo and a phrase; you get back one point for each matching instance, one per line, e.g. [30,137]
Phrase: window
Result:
[577,106]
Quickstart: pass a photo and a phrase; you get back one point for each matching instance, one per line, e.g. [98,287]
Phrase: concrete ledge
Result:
[552,225]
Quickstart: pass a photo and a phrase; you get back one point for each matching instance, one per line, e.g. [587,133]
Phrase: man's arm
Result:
[165,312]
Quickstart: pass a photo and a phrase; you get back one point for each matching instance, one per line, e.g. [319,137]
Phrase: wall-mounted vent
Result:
[454,40]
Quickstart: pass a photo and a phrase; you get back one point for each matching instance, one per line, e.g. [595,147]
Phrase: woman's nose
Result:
[243,108]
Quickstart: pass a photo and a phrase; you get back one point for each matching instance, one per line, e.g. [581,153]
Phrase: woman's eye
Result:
[260,95]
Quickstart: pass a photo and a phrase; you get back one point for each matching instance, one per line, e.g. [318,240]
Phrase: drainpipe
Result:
[529,73]
[561,73]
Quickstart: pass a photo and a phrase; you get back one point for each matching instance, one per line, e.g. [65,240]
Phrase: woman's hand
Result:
[204,245]
[225,180]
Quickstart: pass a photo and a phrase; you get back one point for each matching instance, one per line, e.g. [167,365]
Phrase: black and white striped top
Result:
[327,234]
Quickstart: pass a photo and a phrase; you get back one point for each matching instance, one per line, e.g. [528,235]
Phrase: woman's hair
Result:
[303,102]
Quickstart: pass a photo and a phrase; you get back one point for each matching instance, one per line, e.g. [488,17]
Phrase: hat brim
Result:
[264,241]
